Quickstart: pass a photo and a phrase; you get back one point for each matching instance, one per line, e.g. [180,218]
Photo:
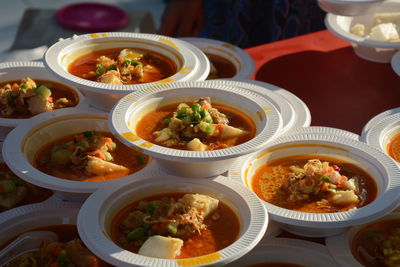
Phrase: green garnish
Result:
[100,69]
[326,179]
[136,233]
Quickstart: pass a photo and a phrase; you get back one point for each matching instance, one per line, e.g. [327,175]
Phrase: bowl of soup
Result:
[195,129]
[317,184]
[72,153]
[15,192]
[372,244]
[286,252]
[374,36]
[28,89]
[107,66]
[226,60]
[385,135]
[174,221]
[44,234]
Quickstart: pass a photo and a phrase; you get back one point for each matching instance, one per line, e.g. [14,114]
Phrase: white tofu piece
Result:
[163,135]
[111,77]
[98,166]
[358,29]
[344,197]
[229,131]
[196,145]
[387,17]
[384,32]
[157,246]
[205,205]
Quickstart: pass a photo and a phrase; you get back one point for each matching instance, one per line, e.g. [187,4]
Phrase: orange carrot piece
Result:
[15,86]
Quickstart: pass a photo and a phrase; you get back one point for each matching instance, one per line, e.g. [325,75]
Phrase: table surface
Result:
[340,89]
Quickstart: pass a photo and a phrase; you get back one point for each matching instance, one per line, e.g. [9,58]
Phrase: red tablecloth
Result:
[340,89]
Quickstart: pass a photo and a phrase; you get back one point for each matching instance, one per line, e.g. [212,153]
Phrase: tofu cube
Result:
[157,246]
[205,205]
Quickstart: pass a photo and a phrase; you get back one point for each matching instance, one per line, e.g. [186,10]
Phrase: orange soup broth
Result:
[393,147]
[273,192]
[58,90]
[153,121]
[365,245]
[216,237]
[163,68]
[41,194]
[64,232]
[123,155]
[225,68]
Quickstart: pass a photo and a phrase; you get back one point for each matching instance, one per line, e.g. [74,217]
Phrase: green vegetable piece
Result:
[135,63]
[187,121]
[167,120]
[196,117]
[23,86]
[127,62]
[112,67]
[108,156]
[8,186]
[100,69]
[203,113]
[61,156]
[206,128]
[172,228]
[62,258]
[140,159]
[83,143]
[88,134]
[136,233]
[151,208]
[43,91]
[326,179]
[196,107]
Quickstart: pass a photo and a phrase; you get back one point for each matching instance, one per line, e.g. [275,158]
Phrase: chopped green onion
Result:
[127,62]
[100,69]
[88,134]
[326,179]
[23,86]
[136,233]
[151,208]
[206,128]
[196,107]
[43,91]
[135,63]
[172,228]
[167,120]
[112,67]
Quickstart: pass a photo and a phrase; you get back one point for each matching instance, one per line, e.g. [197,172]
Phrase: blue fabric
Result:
[253,22]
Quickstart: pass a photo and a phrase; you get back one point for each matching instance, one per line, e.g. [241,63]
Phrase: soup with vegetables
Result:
[68,251]
[196,126]
[123,66]
[175,225]
[89,156]
[16,192]
[378,244]
[220,67]
[314,184]
[28,97]
[393,147]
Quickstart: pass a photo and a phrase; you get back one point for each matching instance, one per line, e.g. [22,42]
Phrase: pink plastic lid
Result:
[92,17]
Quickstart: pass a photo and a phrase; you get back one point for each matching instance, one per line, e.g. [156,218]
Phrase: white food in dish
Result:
[161,247]
[385,28]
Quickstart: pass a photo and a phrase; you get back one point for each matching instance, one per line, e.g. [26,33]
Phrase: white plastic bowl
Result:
[287,250]
[395,62]
[380,133]
[11,71]
[376,119]
[282,105]
[127,113]
[98,211]
[190,62]
[377,51]
[378,165]
[340,245]
[242,61]
[349,7]
[26,218]
[301,116]
[22,144]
